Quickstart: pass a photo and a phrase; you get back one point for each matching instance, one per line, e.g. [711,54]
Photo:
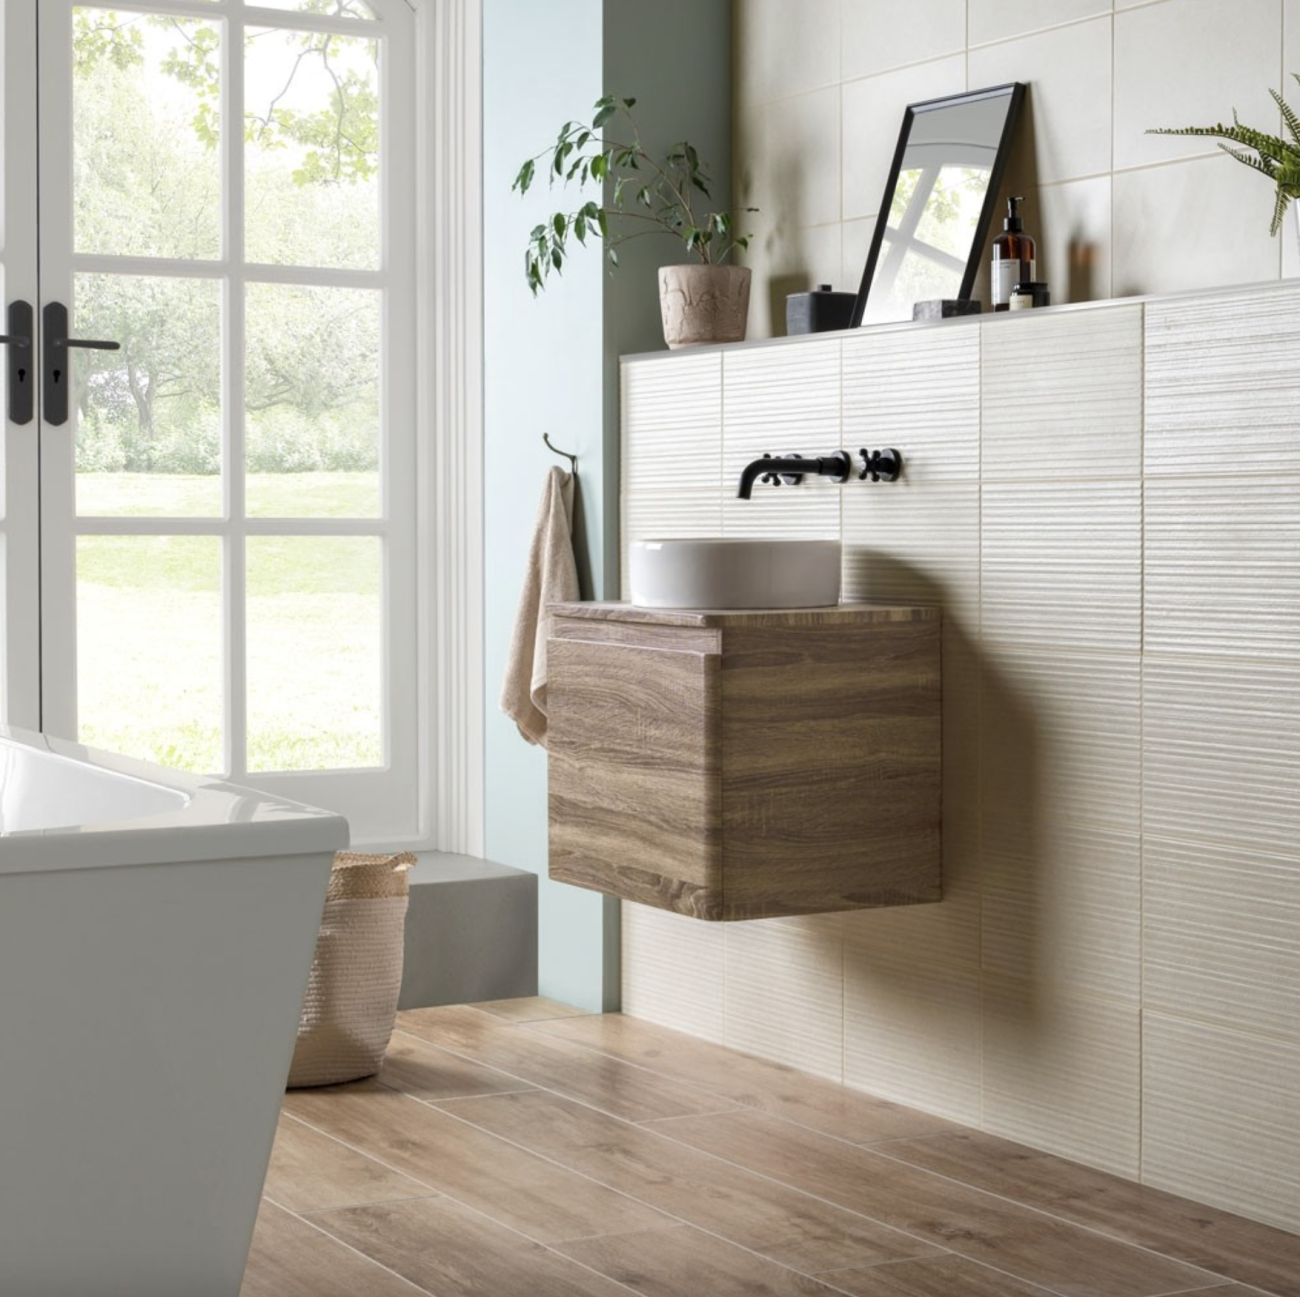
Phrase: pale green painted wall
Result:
[551,365]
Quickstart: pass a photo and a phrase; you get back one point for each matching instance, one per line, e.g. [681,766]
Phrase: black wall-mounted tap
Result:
[792,468]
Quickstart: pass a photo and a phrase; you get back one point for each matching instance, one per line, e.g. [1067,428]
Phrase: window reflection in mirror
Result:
[938,204]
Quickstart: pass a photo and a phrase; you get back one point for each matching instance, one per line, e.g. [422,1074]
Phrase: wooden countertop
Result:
[841,614]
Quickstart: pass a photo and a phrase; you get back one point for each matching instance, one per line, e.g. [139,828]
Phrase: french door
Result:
[208,520]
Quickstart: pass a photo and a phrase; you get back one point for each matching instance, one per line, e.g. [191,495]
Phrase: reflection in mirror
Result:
[934,218]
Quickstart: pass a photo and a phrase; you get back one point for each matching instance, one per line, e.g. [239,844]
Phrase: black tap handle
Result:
[880,465]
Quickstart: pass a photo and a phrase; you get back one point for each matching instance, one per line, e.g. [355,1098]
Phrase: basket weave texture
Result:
[356,974]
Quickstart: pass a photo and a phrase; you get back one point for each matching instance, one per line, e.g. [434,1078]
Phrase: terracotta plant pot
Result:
[703,304]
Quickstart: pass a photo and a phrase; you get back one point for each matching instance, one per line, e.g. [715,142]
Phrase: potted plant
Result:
[704,301]
[1277,158]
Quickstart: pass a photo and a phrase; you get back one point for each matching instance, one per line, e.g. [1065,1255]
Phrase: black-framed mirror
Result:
[938,204]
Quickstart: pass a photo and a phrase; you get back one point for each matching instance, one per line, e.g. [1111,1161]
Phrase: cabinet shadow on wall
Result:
[930,960]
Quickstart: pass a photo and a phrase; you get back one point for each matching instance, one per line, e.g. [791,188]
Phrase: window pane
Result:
[149,431]
[312,405]
[314,642]
[149,675]
[335,8]
[145,110]
[311,152]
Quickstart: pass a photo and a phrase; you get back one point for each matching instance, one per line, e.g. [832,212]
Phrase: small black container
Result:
[1030,293]
[818,312]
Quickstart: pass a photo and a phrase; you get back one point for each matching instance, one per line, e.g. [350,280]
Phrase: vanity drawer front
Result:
[634,786]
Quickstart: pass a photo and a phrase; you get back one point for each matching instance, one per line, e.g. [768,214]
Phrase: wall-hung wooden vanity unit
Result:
[746,765]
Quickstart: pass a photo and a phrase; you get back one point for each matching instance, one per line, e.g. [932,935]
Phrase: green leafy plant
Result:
[642,194]
[1277,158]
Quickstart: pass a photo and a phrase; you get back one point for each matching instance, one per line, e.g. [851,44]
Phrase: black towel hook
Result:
[564,454]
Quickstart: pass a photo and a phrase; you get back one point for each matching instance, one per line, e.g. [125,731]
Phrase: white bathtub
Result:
[156,932]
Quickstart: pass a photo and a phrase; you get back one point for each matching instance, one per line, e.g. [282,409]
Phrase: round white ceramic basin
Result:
[715,573]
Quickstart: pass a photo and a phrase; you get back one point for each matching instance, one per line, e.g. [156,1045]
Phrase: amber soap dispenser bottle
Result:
[1013,257]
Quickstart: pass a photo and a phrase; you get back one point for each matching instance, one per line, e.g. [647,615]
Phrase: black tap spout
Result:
[793,467]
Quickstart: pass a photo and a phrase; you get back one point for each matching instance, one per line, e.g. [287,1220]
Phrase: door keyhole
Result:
[58,373]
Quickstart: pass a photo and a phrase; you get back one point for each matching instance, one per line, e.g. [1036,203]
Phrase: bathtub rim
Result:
[220,820]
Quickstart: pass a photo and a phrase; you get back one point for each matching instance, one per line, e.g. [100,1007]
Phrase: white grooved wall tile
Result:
[785,991]
[1062,396]
[1223,567]
[912,1017]
[673,971]
[779,404]
[1061,737]
[1222,385]
[1221,934]
[1121,669]
[1061,565]
[1061,907]
[1221,1117]
[915,389]
[1221,753]
[1062,1073]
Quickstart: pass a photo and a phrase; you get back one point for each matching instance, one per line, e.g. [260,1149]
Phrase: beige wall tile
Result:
[793,177]
[1221,936]
[1068,115]
[1061,565]
[1204,357]
[855,243]
[1074,239]
[1191,226]
[787,259]
[873,114]
[1061,1073]
[784,992]
[673,971]
[1190,63]
[1223,567]
[916,389]
[1000,20]
[1062,395]
[784,47]
[1221,1118]
[1061,906]
[1221,752]
[1061,738]
[878,34]
[912,1007]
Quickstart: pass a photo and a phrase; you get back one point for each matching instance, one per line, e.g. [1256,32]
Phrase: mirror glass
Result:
[938,204]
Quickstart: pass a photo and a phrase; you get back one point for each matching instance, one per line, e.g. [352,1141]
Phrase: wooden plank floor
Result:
[523,1149]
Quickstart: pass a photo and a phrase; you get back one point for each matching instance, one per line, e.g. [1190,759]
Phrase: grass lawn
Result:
[150,640]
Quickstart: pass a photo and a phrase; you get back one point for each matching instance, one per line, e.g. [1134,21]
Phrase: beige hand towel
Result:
[551,577]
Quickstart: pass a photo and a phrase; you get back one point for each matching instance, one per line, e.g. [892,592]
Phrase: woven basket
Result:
[356,974]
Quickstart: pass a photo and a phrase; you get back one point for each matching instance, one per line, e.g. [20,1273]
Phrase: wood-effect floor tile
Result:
[601,1080]
[939,1276]
[670,1262]
[416,1067]
[531,1008]
[1033,1246]
[311,1171]
[291,1258]
[451,1251]
[1217,1241]
[748,1081]
[531,1194]
[755,1212]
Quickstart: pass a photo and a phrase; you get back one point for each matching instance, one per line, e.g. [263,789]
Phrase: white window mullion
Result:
[235,565]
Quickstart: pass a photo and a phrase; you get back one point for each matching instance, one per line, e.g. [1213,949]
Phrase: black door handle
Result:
[22,382]
[54,320]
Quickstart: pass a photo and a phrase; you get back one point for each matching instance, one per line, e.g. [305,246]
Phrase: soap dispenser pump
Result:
[1013,257]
